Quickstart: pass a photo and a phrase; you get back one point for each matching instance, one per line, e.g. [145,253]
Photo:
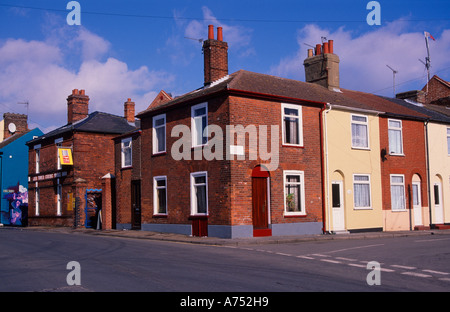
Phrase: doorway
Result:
[136,205]
[260,202]
[417,203]
[337,198]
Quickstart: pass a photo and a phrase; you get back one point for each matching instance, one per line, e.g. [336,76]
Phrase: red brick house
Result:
[238,157]
[70,193]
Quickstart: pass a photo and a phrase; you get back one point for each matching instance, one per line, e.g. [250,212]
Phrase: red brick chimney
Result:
[14,124]
[129,110]
[215,53]
[77,106]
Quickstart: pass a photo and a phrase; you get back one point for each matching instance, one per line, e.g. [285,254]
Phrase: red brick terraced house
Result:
[239,157]
[69,165]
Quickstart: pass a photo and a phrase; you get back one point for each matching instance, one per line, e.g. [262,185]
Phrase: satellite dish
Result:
[12,127]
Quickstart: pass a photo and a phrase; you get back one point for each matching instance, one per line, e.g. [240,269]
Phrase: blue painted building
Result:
[14,178]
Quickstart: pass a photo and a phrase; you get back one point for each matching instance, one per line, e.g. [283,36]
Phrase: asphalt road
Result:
[32,261]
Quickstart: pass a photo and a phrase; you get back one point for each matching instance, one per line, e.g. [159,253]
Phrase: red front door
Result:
[260,204]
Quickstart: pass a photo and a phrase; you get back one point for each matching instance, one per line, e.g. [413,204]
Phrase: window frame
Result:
[301,174]
[37,195]
[155,197]
[401,153]
[193,124]
[37,149]
[122,152]
[299,109]
[404,191]
[155,135]
[194,204]
[369,182]
[58,197]
[364,123]
[58,143]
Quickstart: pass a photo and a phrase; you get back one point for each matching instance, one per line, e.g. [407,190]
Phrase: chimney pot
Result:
[330,46]
[219,34]
[75,91]
[310,52]
[215,56]
[326,48]
[81,92]
[318,49]
[210,31]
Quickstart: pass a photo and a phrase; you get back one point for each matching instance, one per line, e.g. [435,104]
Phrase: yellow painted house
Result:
[352,169]
[439,172]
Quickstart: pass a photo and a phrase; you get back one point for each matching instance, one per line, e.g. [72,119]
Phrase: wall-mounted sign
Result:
[65,156]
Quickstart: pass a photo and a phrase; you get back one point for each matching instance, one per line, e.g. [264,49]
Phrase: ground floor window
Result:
[398,192]
[199,193]
[294,192]
[361,191]
[160,195]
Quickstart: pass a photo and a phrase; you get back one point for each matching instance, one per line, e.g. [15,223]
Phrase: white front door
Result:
[337,200]
[417,203]
[438,205]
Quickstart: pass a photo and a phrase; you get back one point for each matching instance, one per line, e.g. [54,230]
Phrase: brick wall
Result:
[413,161]
[229,181]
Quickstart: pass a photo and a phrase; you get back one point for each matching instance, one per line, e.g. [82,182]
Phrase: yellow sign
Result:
[65,156]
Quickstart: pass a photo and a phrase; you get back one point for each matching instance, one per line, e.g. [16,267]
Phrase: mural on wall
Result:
[17,210]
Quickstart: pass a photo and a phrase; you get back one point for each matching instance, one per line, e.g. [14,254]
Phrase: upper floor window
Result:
[360,131]
[395,137]
[126,153]
[159,134]
[58,143]
[37,149]
[199,124]
[292,124]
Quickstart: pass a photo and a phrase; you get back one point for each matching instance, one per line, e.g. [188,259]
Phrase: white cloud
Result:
[363,58]
[41,73]
[238,37]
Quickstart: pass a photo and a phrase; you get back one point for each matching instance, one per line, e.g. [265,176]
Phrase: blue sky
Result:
[133,49]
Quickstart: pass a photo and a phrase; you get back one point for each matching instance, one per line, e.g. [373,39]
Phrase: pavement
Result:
[171,237]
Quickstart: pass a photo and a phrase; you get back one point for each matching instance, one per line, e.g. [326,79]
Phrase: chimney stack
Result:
[14,124]
[215,54]
[323,67]
[77,106]
[129,110]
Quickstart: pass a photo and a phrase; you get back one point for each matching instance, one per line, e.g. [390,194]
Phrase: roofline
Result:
[231,92]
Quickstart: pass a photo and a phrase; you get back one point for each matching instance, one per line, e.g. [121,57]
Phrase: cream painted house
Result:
[439,171]
[352,169]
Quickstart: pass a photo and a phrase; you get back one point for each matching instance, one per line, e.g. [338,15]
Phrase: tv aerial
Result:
[394,72]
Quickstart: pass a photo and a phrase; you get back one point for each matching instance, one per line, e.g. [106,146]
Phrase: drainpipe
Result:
[428,172]
[325,189]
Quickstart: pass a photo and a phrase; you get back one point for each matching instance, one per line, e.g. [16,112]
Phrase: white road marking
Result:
[403,267]
[357,265]
[416,274]
[359,247]
[330,261]
[435,272]
[306,257]
[345,259]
